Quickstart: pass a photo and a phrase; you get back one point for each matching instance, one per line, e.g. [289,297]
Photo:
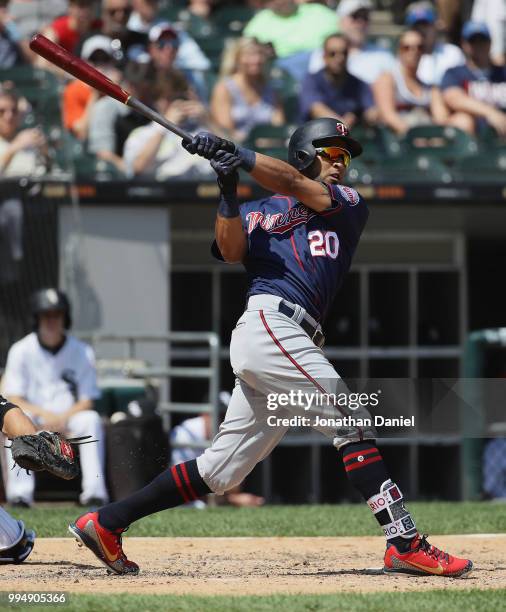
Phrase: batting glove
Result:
[207,145]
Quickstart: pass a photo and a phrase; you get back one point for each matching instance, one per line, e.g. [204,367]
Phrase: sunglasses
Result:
[335,154]
[412,47]
[333,53]
[167,42]
[123,10]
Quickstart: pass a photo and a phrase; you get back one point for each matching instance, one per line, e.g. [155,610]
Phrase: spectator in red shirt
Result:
[79,21]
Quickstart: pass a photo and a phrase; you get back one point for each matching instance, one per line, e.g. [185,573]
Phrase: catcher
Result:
[31,451]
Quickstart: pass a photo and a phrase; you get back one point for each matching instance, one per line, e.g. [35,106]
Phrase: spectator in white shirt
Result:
[438,55]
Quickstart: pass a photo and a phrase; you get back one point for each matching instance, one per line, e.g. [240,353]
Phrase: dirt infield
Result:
[242,566]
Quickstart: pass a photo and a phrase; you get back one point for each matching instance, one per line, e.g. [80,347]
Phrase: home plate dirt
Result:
[242,566]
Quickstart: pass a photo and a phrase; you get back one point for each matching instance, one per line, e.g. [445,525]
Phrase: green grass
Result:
[327,520]
[429,601]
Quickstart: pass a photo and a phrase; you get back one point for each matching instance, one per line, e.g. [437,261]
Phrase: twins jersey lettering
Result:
[299,254]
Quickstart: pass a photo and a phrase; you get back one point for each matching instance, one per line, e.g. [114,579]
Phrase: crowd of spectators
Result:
[326,53]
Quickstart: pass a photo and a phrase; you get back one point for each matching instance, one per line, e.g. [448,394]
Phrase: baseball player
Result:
[51,375]
[296,246]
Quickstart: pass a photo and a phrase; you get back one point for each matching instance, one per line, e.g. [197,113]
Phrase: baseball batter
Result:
[296,245]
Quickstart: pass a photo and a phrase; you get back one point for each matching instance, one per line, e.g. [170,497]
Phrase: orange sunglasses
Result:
[335,154]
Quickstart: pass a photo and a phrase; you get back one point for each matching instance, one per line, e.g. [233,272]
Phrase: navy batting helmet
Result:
[316,133]
[49,299]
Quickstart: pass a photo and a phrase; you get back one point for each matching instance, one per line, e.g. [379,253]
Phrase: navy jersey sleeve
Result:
[454,77]
[348,211]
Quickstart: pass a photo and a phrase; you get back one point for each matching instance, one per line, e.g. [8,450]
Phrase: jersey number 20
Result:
[323,244]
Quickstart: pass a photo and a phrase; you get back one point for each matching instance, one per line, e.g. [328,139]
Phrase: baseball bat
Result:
[77,67]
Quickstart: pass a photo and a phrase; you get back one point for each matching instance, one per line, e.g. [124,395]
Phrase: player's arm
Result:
[272,174]
[229,233]
[13,421]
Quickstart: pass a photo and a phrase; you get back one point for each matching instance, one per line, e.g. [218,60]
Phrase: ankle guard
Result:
[388,507]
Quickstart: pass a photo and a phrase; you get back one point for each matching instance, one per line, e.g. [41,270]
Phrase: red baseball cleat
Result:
[103,543]
[423,559]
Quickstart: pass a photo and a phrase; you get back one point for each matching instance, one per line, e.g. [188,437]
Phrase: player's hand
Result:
[225,165]
[207,145]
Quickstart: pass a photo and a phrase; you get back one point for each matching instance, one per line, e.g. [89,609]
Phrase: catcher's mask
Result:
[50,299]
[316,133]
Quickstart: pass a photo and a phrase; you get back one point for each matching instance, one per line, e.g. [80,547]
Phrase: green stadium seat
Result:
[489,168]
[411,169]
[212,47]
[440,142]
[378,142]
[489,140]
[359,172]
[265,136]
[288,90]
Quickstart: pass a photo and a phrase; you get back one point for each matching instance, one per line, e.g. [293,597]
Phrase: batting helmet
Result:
[319,133]
[49,299]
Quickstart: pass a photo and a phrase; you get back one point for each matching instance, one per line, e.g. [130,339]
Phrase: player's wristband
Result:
[228,206]
[247,157]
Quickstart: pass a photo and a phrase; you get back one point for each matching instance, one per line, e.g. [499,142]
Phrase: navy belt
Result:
[311,330]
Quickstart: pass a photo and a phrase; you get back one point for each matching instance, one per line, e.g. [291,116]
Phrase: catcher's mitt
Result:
[48,451]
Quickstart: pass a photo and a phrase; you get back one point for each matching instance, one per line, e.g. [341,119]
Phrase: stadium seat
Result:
[489,140]
[288,90]
[378,142]
[411,169]
[440,142]
[489,168]
[359,172]
[271,140]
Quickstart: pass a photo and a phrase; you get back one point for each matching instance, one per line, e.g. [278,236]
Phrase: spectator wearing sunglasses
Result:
[165,43]
[403,101]
[333,91]
[476,92]
[115,15]
[366,60]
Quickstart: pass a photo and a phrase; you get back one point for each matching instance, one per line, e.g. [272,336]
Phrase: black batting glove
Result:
[207,145]
[225,165]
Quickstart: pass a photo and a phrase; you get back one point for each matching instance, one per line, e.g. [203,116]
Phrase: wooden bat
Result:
[77,67]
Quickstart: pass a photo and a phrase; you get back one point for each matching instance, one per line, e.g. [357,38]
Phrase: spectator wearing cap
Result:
[23,152]
[164,48]
[493,14]
[294,30]
[78,97]
[403,101]
[476,91]
[112,122]
[366,60]
[243,97]
[438,56]
[152,152]
[333,91]
[79,21]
